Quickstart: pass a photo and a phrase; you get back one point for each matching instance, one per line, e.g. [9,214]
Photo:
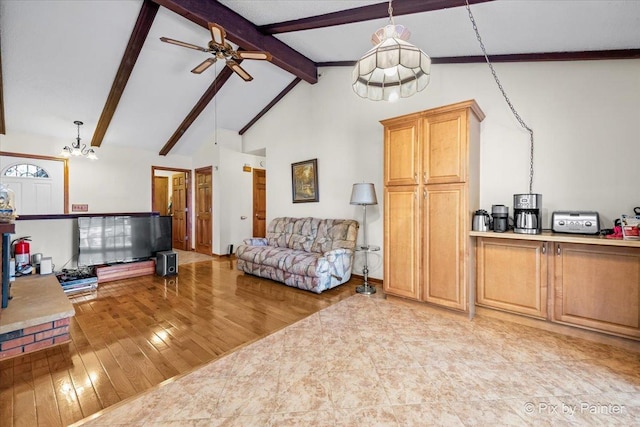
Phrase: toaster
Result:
[579,222]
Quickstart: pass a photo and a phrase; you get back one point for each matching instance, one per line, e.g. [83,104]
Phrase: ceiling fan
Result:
[221,49]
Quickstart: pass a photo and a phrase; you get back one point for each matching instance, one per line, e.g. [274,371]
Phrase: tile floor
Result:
[388,362]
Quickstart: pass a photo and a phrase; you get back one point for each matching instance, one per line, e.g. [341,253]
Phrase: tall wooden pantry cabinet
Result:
[431,179]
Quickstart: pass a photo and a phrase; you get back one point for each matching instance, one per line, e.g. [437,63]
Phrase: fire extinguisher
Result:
[21,252]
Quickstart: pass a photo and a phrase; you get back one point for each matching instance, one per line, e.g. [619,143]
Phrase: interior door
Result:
[161,194]
[259,203]
[180,185]
[204,197]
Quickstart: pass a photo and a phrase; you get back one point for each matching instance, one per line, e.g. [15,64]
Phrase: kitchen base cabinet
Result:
[511,275]
[598,287]
[583,281]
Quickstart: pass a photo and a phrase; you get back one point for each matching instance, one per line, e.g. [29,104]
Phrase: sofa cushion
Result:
[304,234]
[335,233]
[279,231]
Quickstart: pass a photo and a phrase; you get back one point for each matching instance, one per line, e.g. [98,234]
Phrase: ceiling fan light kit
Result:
[77,149]
[221,49]
[394,68]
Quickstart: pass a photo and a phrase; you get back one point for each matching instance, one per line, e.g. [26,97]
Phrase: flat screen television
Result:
[117,239]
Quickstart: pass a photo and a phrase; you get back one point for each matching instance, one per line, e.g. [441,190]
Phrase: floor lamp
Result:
[364,194]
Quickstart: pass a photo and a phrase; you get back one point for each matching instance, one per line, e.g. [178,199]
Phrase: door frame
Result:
[256,171]
[188,202]
[65,171]
[208,170]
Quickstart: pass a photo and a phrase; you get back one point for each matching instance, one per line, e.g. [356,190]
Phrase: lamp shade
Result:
[363,194]
[393,69]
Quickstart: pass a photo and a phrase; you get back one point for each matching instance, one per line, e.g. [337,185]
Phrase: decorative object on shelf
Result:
[7,204]
[304,181]
[364,194]
[78,149]
[394,68]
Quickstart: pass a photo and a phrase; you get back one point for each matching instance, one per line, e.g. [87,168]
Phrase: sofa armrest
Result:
[338,262]
[255,241]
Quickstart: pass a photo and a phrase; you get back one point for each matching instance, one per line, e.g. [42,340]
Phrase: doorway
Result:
[175,201]
[259,203]
[204,198]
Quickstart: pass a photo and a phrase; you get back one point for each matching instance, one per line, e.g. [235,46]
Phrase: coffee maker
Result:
[500,214]
[527,212]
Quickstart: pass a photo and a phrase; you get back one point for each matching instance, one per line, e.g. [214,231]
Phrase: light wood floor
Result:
[131,335]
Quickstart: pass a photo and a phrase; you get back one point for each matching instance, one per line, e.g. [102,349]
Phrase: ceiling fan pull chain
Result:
[504,95]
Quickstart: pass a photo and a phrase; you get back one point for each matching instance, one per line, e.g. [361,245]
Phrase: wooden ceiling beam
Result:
[273,102]
[138,36]
[365,13]
[243,33]
[586,55]
[204,100]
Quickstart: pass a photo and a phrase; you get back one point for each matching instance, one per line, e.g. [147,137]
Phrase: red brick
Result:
[38,345]
[37,328]
[16,342]
[60,339]
[61,322]
[10,353]
[51,333]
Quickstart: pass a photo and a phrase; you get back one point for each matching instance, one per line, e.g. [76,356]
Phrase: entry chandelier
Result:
[394,68]
[78,149]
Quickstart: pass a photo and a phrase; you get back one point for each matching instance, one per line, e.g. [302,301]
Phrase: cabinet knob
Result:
[544,248]
[558,250]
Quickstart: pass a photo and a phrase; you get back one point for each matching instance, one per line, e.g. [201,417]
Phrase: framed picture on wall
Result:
[304,181]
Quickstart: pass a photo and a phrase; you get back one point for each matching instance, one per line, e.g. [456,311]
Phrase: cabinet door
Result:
[401,159]
[401,241]
[511,275]
[444,154]
[444,245]
[598,287]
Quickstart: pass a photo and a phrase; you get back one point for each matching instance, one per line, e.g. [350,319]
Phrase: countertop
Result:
[36,300]
[550,236]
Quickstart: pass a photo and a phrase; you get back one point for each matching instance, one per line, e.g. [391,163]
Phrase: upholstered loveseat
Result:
[307,253]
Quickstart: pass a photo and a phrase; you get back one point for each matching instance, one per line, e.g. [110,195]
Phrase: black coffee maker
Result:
[500,215]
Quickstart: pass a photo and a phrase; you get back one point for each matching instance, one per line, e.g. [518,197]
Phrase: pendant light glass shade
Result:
[393,69]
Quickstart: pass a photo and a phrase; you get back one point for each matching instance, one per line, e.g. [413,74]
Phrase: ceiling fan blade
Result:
[239,70]
[254,54]
[183,44]
[203,65]
[218,33]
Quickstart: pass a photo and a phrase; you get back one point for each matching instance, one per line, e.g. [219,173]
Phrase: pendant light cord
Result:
[504,94]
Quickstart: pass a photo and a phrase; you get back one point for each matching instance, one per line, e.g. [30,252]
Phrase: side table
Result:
[365,288]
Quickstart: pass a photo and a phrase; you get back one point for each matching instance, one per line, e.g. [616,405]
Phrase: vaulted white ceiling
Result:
[60,57]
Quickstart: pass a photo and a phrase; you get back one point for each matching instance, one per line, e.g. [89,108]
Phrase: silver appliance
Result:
[481,221]
[500,214]
[579,222]
[527,213]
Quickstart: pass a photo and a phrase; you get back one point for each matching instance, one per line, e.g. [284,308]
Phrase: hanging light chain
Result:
[504,94]
[390,10]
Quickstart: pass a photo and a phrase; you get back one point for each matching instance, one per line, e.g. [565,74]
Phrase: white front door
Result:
[35,195]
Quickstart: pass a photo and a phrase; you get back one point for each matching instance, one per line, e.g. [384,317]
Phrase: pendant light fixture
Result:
[394,68]
[78,149]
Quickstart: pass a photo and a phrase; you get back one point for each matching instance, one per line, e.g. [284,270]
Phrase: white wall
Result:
[119,181]
[584,116]
[232,188]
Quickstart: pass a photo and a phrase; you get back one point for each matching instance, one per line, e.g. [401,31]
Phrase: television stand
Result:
[109,273]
